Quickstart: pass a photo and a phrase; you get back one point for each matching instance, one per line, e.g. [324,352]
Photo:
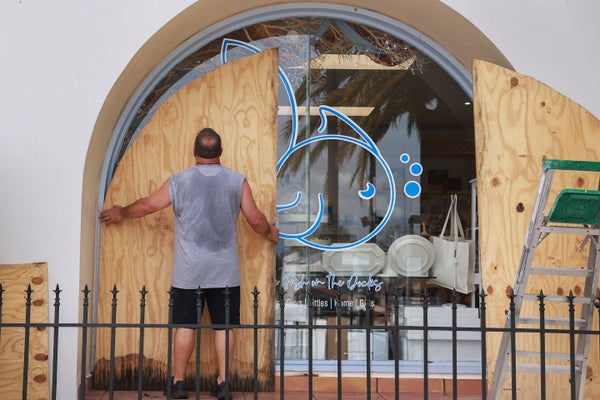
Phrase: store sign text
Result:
[329,281]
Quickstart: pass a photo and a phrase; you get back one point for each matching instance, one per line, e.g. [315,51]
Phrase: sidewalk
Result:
[98,395]
[325,388]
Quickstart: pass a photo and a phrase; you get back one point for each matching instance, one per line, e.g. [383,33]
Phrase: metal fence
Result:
[85,325]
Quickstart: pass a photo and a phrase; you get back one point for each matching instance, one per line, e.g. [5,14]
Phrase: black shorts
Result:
[187,303]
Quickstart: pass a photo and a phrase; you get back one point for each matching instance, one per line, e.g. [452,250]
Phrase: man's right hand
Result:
[111,215]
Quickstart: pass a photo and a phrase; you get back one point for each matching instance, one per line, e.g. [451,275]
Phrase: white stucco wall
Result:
[59,59]
[551,41]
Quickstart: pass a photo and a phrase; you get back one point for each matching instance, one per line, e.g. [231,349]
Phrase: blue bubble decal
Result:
[412,189]
[416,169]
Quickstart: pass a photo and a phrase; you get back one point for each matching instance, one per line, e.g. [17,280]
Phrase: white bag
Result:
[454,265]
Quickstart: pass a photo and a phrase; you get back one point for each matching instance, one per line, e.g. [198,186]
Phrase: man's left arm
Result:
[255,218]
[139,208]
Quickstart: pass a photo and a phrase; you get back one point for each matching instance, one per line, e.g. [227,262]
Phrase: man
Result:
[206,200]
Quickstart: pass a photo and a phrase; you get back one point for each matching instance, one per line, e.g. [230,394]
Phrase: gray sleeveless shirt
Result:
[206,201]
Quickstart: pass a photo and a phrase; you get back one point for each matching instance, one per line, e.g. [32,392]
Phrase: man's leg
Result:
[224,342]
[222,352]
[183,348]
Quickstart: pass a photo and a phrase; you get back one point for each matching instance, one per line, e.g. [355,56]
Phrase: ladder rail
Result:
[531,241]
[538,229]
[587,313]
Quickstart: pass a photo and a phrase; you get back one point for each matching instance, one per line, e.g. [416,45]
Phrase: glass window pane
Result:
[374,137]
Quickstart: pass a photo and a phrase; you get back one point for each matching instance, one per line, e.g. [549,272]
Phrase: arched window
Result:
[375,135]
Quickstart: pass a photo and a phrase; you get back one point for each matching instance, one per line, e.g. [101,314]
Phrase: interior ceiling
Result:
[449,114]
[454,112]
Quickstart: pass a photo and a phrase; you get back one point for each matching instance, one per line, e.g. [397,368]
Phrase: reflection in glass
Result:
[414,113]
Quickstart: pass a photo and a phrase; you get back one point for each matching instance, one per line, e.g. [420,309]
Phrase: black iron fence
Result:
[281,327]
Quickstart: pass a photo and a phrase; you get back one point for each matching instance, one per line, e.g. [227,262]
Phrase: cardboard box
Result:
[440,341]
[296,342]
[293,312]
[357,345]
[332,339]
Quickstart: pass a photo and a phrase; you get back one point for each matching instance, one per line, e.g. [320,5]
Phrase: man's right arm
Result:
[139,208]
[255,218]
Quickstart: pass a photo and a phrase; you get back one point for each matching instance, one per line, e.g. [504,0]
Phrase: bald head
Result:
[207,144]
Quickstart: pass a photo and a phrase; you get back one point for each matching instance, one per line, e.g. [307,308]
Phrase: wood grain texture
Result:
[239,101]
[15,279]
[518,123]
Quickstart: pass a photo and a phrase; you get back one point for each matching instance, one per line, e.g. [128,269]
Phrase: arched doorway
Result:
[205,20]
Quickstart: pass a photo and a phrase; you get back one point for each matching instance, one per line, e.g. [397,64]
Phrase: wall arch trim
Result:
[443,34]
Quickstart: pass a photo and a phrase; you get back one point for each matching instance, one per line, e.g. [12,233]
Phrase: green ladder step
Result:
[574,165]
[576,206]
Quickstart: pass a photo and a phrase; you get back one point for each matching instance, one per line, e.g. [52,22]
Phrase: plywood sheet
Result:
[239,101]
[519,122]
[15,279]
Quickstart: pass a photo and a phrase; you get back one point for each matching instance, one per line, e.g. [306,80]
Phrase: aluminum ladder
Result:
[574,211]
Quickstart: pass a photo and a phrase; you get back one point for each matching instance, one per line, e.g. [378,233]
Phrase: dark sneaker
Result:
[222,391]
[214,391]
[178,391]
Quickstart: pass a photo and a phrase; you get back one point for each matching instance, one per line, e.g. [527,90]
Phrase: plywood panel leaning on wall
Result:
[15,280]
[239,101]
[519,122]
